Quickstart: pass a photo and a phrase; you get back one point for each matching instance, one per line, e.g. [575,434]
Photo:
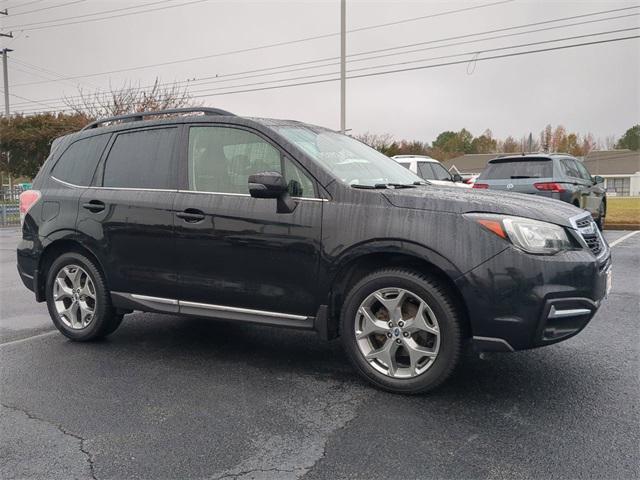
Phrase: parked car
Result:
[283,223]
[558,176]
[430,169]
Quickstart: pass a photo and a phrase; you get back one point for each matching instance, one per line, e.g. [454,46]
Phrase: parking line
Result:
[27,339]
[623,238]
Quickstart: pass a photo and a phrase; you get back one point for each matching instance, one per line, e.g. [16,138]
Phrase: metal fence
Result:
[9,207]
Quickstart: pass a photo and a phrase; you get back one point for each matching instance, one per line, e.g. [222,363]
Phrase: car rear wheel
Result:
[78,300]
[402,331]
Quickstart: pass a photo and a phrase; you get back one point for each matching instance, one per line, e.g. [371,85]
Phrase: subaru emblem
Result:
[396,332]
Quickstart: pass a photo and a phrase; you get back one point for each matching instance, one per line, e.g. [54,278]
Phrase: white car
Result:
[430,169]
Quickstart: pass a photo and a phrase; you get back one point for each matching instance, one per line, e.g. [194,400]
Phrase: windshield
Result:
[351,161]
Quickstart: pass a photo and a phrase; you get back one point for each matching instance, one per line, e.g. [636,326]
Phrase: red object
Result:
[481,185]
[549,187]
[28,199]
[495,226]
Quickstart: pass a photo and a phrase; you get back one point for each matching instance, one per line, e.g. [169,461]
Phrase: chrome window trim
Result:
[72,185]
[135,189]
[310,199]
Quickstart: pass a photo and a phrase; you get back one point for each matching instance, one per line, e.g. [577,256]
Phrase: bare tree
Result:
[130,99]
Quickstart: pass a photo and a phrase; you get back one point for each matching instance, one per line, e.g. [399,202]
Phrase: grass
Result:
[623,210]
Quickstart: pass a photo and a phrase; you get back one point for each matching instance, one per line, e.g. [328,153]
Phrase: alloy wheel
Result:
[74,295]
[397,333]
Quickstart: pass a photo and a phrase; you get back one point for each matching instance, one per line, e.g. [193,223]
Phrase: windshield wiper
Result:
[522,176]
[407,185]
[377,186]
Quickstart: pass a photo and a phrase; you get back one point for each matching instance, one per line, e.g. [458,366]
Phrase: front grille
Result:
[584,223]
[594,244]
[591,235]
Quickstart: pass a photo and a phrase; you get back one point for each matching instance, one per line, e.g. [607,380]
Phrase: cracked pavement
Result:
[171,398]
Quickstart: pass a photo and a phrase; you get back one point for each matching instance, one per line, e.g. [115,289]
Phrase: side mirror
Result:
[267,185]
[272,185]
[598,179]
[457,177]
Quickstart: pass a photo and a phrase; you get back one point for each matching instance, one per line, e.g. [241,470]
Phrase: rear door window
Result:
[425,171]
[439,172]
[582,170]
[502,170]
[78,163]
[142,159]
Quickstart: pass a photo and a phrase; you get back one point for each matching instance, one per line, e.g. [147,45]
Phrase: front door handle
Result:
[94,206]
[191,215]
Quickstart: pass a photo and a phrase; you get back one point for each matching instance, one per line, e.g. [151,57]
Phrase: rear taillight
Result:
[28,199]
[484,186]
[549,187]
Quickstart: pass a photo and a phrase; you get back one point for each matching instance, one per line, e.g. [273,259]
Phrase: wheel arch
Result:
[53,250]
[370,257]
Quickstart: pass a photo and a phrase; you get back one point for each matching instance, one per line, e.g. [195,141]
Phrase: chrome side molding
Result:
[134,301]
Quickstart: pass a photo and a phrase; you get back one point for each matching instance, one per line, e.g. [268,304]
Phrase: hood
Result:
[467,200]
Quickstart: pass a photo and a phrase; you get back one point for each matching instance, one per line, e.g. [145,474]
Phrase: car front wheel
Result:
[402,330]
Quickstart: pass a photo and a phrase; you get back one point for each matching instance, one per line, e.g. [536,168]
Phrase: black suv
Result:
[558,176]
[283,223]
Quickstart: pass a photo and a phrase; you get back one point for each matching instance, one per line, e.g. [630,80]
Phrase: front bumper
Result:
[518,301]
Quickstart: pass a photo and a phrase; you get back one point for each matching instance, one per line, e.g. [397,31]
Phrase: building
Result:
[619,168]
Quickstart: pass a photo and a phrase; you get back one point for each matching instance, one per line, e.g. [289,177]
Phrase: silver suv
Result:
[558,176]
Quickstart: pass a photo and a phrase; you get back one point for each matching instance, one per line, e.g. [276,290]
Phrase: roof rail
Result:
[139,116]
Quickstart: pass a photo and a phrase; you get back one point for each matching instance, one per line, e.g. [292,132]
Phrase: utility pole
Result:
[343,65]
[5,72]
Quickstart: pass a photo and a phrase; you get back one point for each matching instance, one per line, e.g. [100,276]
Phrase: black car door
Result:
[127,213]
[236,251]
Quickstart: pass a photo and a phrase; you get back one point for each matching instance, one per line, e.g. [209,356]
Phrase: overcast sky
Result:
[589,89]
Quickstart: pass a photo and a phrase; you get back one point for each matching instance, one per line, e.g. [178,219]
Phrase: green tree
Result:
[28,139]
[485,143]
[458,142]
[630,139]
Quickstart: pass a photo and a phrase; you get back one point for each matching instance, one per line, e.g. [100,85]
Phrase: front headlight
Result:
[532,236]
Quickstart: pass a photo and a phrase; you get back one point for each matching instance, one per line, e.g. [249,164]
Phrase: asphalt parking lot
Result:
[166,397]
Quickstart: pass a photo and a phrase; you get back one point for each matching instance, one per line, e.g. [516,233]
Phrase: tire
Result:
[602,212]
[75,273]
[441,316]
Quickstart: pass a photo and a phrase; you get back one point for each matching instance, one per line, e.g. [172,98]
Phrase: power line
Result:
[284,43]
[480,59]
[220,78]
[363,75]
[223,78]
[19,26]
[24,4]
[47,8]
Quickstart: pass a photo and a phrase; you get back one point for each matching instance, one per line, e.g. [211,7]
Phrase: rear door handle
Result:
[94,206]
[191,215]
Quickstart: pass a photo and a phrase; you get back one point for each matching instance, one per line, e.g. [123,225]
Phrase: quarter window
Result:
[142,159]
[78,163]
[570,168]
[222,158]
